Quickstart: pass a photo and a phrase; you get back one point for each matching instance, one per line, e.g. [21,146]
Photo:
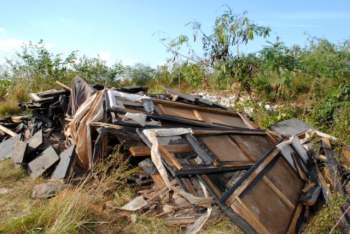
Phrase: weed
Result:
[225,226]
[9,172]
[327,217]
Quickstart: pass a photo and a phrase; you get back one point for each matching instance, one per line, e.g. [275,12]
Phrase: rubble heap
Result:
[196,155]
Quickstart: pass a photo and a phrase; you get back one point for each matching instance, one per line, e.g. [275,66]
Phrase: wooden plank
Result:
[189,106]
[141,151]
[247,122]
[7,131]
[198,115]
[224,148]
[158,181]
[203,154]
[242,149]
[252,177]
[293,223]
[267,206]
[236,164]
[200,132]
[281,195]
[239,207]
[105,125]
[161,108]
[63,86]
[253,145]
[211,185]
[170,157]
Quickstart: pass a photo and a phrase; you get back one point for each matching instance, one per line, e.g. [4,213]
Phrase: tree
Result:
[220,49]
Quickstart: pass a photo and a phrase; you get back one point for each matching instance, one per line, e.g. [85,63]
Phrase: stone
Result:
[290,127]
[62,168]
[7,147]
[39,165]
[36,140]
[47,190]
[19,152]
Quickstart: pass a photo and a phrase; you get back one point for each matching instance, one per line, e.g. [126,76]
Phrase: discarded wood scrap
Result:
[196,155]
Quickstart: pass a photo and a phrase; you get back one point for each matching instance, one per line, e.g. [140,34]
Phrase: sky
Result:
[130,30]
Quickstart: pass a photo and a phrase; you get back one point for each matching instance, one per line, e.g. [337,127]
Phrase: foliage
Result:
[220,48]
[327,217]
[314,78]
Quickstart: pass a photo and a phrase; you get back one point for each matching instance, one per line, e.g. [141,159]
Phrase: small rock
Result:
[47,190]
[4,191]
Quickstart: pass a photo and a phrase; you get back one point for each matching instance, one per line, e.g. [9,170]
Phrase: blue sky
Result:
[130,31]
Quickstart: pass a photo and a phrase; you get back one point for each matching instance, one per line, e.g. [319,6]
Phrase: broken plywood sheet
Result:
[39,165]
[205,114]
[62,167]
[290,127]
[268,198]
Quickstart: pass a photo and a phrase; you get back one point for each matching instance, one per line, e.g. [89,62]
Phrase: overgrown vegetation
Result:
[90,207]
[310,82]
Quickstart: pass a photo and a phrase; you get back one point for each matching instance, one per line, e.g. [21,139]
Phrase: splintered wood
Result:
[196,155]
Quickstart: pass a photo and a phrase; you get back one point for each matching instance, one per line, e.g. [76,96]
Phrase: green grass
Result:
[225,226]
[327,217]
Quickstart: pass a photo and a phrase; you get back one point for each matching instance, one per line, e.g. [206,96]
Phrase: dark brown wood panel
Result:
[254,146]
[217,118]
[177,111]
[270,196]
[224,148]
[209,115]
[286,180]
[268,207]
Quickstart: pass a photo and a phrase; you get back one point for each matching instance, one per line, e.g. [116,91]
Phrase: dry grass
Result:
[9,107]
[65,213]
[16,202]
[9,172]
[16,93]
[225,226]
[145,224]
[81,209]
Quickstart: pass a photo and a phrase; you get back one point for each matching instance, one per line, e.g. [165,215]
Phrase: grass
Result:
[225,226]
[327,217]
[9,172]
[16,202]
[82,209]
[146,224]
[9,107]
[65,213]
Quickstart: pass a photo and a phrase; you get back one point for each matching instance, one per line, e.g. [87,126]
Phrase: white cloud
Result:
[2,30]
[8,44]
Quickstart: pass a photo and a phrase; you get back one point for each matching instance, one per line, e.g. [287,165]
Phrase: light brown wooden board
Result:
[254,146]
[268,202]
[138,151]
[224,148]
[209,115]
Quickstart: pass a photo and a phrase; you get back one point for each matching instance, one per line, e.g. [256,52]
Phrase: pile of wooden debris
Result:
[196,155]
